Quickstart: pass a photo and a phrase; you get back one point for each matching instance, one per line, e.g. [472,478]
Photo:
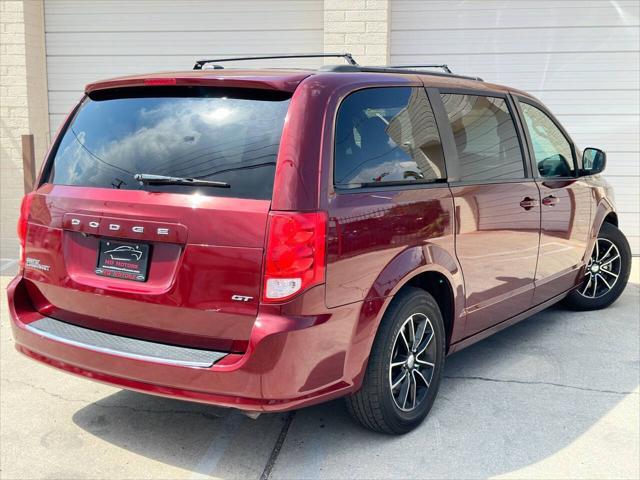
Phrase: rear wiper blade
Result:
[148,179]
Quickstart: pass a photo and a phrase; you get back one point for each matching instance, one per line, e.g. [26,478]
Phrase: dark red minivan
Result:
[271,239]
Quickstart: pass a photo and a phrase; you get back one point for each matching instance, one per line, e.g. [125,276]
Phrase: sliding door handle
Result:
[528,203]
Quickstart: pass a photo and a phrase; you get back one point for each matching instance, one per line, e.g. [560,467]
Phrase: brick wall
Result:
[23,105]
[360,27]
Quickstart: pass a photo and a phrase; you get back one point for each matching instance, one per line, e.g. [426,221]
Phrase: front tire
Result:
[405,366]
[607,272]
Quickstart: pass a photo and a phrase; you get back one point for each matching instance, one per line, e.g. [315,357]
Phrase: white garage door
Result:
[580,58]
[88,40]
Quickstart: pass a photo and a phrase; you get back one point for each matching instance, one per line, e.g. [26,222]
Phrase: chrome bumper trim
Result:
[123,346]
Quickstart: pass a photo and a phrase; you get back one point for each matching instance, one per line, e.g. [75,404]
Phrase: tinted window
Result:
[212,134]
[387,135]
[485,136]
[551,148]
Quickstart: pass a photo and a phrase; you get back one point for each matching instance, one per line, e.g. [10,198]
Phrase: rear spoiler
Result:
[286,83]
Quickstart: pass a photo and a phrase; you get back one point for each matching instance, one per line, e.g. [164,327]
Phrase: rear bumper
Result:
[290,362]
[116,345]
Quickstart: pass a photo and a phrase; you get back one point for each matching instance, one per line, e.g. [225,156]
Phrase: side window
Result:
[387,135]
[485,136]
[551,148]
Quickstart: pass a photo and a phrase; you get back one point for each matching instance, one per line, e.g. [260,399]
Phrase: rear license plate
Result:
[127,261]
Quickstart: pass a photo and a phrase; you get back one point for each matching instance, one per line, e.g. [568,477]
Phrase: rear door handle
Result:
[528,203]
[550,201]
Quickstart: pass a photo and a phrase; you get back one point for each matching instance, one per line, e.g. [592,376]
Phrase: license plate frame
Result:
[123,260]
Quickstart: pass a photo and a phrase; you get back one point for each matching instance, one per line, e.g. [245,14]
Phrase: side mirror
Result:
[593,161]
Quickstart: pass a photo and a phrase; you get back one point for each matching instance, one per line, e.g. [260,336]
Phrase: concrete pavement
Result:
[553,396]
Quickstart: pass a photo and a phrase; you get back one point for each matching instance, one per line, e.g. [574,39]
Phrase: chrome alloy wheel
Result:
[603,269]
[412,362]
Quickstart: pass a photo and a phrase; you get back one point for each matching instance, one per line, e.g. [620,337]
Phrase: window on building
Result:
[485,136]
[387,135]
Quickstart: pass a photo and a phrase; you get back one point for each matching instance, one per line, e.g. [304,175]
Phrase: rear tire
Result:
[379,406]
[607,272]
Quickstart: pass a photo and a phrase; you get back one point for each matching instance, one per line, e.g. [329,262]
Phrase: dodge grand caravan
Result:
[271,239]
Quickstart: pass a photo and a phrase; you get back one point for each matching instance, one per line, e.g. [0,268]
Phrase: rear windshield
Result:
[223,135]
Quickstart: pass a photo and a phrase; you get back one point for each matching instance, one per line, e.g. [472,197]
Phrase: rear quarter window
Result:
[226,135]
[387,136]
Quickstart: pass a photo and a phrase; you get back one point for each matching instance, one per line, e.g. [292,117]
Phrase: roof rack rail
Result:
[443,66]
[388,69]
[347,56]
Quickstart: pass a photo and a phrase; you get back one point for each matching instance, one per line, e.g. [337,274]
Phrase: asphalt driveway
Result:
[555,396]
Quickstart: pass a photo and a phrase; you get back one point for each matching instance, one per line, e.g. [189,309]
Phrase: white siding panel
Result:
[629,222]
[540,40]
[63,100]
[622,164]
[582,59]
[96,44]
[55,121]
[178,16]
[610,132]
[626,193]
[88,40]
[590,102]
[538,72]
[511,14]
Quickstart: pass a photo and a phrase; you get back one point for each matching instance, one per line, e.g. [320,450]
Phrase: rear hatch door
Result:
[175,263]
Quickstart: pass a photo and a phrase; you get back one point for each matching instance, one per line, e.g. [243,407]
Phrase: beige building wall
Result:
[360,27]
[23,105]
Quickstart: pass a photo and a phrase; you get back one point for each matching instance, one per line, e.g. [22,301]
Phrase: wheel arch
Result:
[439,286]
[437,272]
[604,214]
[612,218]
[431,268]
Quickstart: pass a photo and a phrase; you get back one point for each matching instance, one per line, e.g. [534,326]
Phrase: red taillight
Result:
[25,207]
[295,257]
